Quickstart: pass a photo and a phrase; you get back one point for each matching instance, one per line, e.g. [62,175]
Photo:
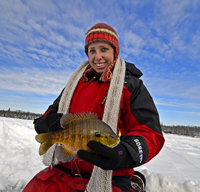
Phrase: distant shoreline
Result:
[193,131]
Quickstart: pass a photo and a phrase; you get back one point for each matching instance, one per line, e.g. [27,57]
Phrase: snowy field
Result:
[175,169]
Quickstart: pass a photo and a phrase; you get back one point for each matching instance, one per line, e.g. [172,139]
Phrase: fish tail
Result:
[45,142]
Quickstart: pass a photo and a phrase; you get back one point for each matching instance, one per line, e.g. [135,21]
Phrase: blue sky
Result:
[41,44]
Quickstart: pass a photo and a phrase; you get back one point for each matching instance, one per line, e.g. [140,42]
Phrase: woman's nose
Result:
[98,56]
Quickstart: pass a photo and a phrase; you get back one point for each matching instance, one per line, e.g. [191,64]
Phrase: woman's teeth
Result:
[100,64]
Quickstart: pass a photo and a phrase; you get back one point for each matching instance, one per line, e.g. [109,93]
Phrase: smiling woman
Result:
[102,49]
[109,87]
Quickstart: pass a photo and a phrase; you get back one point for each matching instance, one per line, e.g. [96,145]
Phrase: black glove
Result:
[48,123]
[107,158]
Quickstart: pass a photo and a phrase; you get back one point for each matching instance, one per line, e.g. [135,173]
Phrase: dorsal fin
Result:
[65,119]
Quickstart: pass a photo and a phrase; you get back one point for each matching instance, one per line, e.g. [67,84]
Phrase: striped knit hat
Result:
[102,32]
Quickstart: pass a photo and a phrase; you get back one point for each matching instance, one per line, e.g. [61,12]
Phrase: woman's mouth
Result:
[100,64]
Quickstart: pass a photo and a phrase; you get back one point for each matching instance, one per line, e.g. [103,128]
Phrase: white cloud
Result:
[177,87]
[183,112]
[175,24]
[132,42]
[30,33]
[176,103]
[33,80]
[42,52]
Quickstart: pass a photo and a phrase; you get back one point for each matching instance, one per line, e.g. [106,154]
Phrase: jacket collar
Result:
[133,70]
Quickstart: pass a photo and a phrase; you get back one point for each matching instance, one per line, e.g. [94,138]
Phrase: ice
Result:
[175,169]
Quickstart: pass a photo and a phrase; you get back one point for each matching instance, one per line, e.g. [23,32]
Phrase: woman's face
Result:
[101,55]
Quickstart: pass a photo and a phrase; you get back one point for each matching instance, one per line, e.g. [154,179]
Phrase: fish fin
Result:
[40,138]
[45,142]
[67,118]
[63,154]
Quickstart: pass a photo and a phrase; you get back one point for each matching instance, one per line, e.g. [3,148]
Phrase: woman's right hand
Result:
[48,123]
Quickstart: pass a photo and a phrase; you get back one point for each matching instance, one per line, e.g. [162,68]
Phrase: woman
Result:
[109,87]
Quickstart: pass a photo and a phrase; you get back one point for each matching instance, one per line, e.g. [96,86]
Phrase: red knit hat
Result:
[102,32]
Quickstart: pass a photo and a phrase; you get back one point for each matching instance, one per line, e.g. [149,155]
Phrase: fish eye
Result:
[112,137]
[97,134]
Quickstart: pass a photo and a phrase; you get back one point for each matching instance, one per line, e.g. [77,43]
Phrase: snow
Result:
[175,169]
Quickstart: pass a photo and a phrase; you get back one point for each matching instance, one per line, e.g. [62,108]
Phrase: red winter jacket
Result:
[138,117]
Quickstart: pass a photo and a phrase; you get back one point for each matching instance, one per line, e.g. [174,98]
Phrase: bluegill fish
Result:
[77,131]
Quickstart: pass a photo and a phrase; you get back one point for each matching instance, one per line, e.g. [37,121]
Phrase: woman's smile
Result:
[101,55]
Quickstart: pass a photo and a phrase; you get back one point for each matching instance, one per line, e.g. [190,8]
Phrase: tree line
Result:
[18,114]
[193,131]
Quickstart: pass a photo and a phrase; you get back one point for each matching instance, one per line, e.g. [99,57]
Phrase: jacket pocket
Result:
[46,174]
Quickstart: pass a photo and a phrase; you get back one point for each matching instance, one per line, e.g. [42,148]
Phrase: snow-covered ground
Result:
[175,169]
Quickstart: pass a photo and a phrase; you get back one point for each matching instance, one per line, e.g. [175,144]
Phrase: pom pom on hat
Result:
[102,32]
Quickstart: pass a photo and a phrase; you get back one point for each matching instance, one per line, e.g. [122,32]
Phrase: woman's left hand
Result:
[107,158]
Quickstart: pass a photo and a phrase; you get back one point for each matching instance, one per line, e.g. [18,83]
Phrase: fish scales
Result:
[76,125]
[83,135]
[72,136]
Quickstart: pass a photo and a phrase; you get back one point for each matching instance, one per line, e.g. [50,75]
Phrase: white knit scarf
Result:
[100,179]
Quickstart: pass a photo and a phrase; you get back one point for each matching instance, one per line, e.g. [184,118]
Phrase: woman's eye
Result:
[92,51]
[104,49]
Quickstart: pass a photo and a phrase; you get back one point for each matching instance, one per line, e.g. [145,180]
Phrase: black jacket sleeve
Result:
[50,120]
[143,137]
